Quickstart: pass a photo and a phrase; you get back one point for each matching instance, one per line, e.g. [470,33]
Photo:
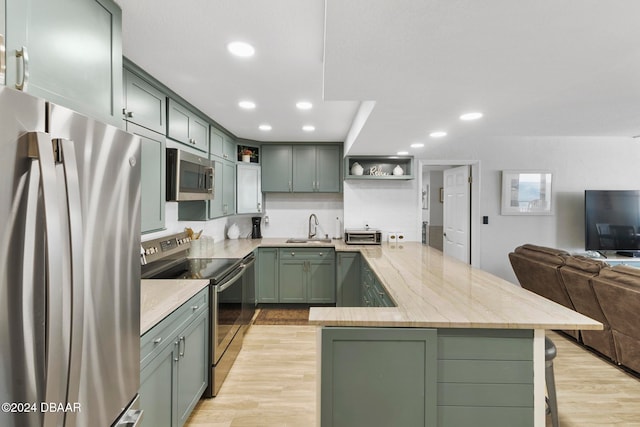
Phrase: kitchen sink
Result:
[303,240]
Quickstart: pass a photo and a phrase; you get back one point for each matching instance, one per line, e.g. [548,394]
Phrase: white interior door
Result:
[456,218]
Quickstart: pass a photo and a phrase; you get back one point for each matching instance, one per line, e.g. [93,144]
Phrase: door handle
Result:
[3,59]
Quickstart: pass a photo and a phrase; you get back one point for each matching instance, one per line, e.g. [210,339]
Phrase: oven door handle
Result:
[225,286]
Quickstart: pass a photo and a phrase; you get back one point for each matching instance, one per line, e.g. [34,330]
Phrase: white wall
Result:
[386,205]
[577,163]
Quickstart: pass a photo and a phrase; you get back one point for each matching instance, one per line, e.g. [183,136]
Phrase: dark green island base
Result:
[426,377]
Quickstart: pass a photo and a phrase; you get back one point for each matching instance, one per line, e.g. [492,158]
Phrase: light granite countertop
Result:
[430,290]
[159,298]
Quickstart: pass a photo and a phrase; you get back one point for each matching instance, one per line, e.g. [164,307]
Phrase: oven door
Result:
[227,313]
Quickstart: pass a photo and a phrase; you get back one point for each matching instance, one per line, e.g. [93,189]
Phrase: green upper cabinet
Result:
[187,127]
[301,168]
[328,167]
[216,141]
[229,188]
[304,167]
[152,182]
[277,169]
[316,168]
[224,198]
[144,104]
[222,145]
[68,52]
[228,148]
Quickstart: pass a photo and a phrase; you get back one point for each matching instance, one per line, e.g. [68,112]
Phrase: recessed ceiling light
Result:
[264,127]
[437,134]
[417,145]
[308,128]
[402,153]
[304,105]
[241,49]
[247,105]
[470,116]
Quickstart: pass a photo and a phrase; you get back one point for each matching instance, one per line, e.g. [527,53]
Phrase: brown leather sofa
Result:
[576,275]
[618,291]
[608,294]
[538,270]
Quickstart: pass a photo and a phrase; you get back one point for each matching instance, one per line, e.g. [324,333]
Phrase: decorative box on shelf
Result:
[378,167]
[248,154]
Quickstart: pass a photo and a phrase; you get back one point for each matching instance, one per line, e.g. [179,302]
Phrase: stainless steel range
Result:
[232,295]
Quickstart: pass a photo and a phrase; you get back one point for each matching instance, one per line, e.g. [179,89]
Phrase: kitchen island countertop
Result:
[430,290]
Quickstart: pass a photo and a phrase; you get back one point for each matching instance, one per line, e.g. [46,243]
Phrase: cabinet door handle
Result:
[290,187]
[24,54]
[182,346]
[175,344]
[259,207]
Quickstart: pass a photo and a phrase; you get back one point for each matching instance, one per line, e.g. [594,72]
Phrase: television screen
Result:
[612,220]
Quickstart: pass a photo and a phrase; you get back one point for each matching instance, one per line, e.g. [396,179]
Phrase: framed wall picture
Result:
[526,193]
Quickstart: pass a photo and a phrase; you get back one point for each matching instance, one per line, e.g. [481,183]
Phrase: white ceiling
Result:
[533,67]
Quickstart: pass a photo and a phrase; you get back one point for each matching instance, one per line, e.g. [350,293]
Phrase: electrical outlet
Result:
[392,237]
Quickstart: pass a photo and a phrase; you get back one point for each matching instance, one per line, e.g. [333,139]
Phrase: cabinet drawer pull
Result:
[157,340]
[293,254]
[195,307]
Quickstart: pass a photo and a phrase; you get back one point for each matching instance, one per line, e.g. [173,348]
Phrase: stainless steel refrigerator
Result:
[69,267]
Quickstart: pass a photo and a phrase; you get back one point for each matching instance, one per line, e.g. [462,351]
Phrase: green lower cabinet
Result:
[173,372]
[293,281]
[307,275]
[156,389]
[426,377]
[321,285]
[348,279]
[192,366]
[268,275]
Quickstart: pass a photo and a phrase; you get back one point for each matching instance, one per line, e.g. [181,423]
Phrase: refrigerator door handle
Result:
[24,54]
[67,155]
[56,366]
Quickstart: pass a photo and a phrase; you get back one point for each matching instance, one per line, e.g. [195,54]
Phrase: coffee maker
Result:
[255,227]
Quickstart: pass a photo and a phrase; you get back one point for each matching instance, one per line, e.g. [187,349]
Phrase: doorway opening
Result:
[432,201]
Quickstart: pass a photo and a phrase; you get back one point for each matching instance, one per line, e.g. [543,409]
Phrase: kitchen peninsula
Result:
[460,343]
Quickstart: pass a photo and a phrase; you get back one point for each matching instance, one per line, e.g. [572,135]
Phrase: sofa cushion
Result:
[583,263]
[622,274]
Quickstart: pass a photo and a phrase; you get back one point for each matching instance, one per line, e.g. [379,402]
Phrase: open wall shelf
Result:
[379,167]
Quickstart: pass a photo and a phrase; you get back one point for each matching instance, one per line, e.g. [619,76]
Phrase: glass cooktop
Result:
[213,269]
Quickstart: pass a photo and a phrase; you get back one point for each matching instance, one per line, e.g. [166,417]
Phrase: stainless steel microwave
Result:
[189,177]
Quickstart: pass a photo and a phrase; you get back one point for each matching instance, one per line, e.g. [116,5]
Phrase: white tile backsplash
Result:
[289,214]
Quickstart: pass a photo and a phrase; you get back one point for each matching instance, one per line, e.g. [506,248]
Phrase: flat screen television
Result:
[612,221]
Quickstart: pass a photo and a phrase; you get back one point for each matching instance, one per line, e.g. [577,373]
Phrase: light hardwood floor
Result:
[273,383]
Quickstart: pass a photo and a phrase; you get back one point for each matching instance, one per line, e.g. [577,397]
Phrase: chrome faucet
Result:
[315,230]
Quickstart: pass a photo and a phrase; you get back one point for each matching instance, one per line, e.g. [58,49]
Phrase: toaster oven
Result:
[362,237]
